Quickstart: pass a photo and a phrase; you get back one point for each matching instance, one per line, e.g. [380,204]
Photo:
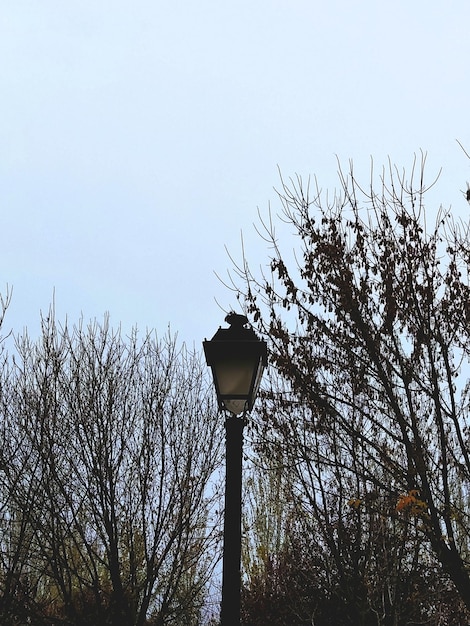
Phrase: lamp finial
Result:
[234,319]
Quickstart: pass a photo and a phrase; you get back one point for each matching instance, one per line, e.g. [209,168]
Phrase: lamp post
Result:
[237,358]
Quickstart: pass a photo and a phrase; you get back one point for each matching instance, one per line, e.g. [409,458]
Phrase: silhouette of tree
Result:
[368,330]
[108,451]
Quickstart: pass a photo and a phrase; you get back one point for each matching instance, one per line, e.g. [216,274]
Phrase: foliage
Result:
[369,343]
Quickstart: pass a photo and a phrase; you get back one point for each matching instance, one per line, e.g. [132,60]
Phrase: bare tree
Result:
[108,477]
[368,328]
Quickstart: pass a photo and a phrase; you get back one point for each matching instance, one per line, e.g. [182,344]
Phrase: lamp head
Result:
[237,358]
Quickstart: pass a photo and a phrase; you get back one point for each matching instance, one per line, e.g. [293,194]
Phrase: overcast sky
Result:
[137,139]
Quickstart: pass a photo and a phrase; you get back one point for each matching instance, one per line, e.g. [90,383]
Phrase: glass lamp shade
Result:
[237,359]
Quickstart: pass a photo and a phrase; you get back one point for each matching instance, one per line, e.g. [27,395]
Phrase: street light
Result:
[237,358]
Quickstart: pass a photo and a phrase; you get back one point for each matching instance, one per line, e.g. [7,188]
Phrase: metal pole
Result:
[231,577]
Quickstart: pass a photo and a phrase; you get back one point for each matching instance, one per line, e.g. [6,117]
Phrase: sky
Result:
[138,140]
